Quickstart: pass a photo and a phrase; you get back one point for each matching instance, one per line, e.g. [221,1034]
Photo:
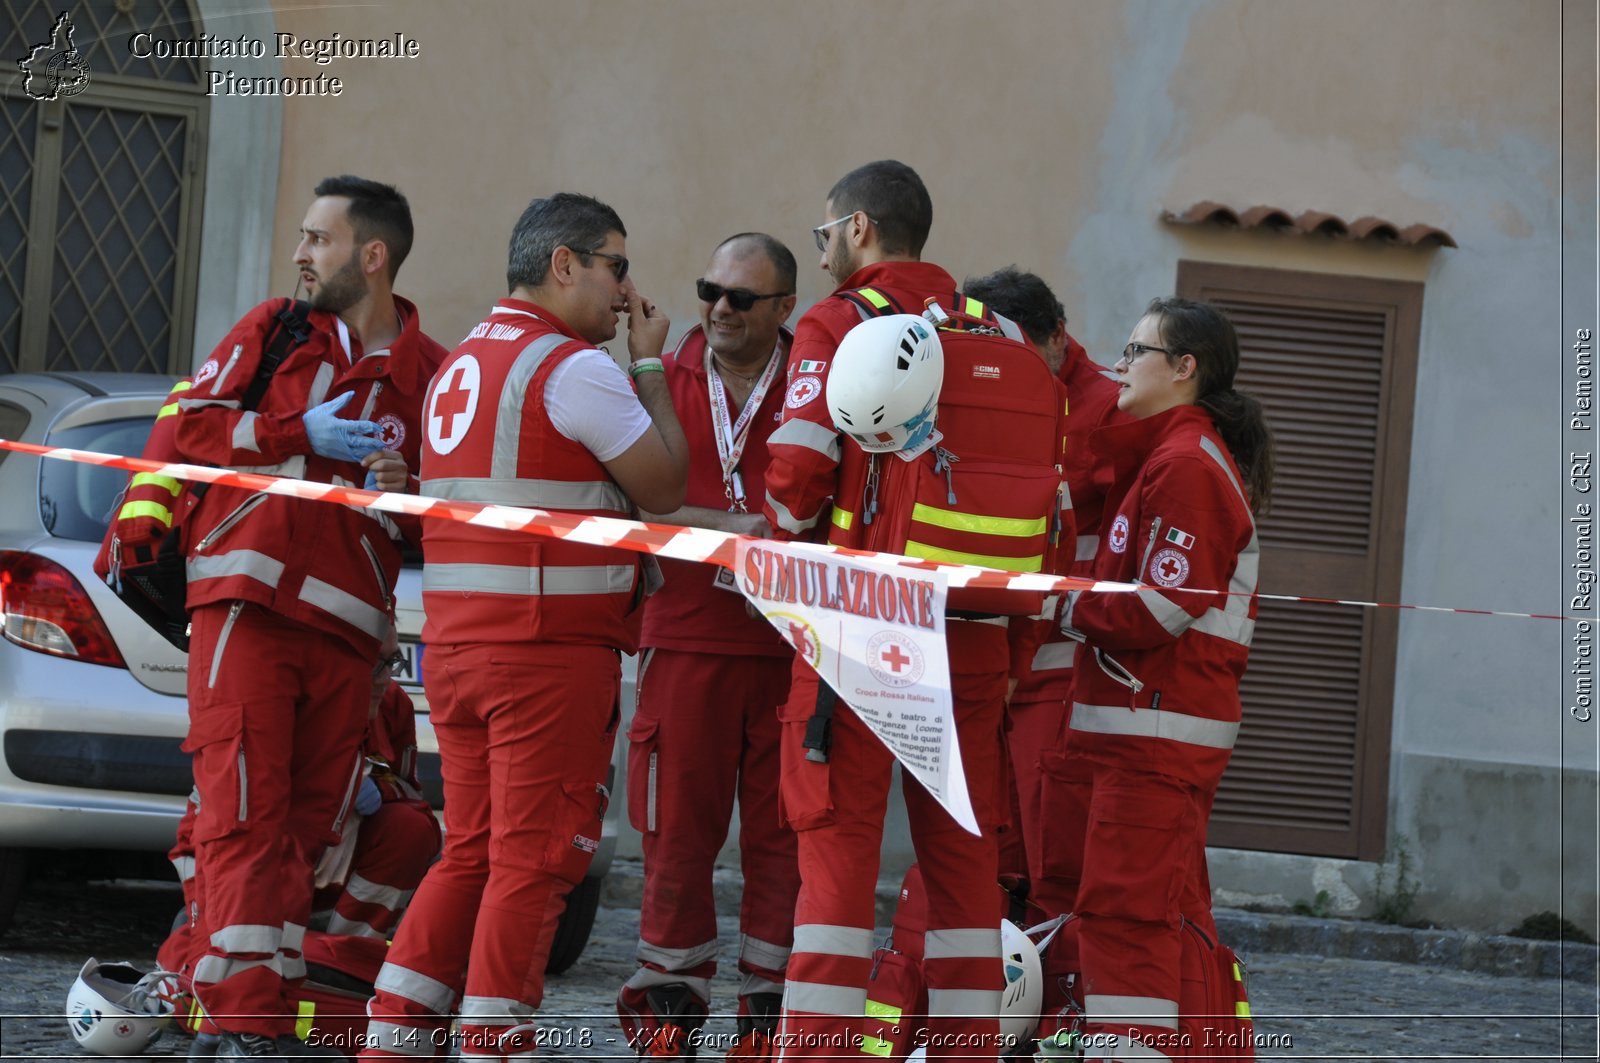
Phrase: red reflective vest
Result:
[490,439]
[1180,524]
[327,565]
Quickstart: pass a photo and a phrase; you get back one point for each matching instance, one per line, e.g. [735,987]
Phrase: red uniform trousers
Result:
[394,847]
[525,732]
[837,810]
[275,726]
[1143,873]
[706,730]
[1057,818]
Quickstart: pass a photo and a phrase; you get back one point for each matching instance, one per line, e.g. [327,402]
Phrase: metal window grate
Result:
[102,31]
[16,192]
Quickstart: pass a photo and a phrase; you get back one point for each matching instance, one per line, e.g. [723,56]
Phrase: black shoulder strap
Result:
[291,327]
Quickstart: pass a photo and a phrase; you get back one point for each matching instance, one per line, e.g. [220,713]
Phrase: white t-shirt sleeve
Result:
[591,402]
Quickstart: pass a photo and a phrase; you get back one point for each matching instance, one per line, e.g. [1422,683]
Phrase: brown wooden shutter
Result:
[1333,360]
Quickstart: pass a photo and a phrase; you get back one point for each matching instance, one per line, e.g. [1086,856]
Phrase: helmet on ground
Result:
[883,385]
[115,1009]
[1024,992]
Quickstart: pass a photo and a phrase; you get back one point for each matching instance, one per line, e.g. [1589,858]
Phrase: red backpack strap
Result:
[871,303]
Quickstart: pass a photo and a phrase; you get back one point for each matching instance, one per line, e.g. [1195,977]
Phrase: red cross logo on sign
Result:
[453,404]
[894,659]
[1169,568]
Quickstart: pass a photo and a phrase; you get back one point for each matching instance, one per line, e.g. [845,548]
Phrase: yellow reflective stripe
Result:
[877,1010]
[874,297]
[307,1020]
[876,1046]
[1237,977]
[182,385]
[151,479]
[973,307]
[1241,1010]
[842,518]
[167,411]
[146,509]
[1016,527]
[957,557]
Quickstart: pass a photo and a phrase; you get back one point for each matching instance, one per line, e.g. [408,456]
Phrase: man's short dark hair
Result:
[566,219]
[377,212]
[1023,297]
[781,257]
[891,194]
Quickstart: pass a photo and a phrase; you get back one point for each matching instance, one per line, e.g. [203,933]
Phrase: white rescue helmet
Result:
[1024,992]
[883,385]
[115,1009]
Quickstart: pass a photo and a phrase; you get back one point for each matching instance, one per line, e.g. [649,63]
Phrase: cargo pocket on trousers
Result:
[643,764]
[216,741]
[1063,814]
[805,797]
[1135,857]
[576,836]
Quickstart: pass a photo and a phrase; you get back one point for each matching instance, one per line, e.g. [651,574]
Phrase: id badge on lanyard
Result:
[732,436]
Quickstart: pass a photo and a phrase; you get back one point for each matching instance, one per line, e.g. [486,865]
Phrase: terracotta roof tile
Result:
[1262,216]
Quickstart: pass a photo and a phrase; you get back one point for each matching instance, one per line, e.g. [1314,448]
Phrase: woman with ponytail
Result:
[1155,703]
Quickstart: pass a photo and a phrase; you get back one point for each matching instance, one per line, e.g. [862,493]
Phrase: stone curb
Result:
[1249,932]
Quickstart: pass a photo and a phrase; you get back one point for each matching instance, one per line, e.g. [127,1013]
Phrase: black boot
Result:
[679,1013]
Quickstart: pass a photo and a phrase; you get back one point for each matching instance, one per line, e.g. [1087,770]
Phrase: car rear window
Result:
[13,422]
[76,500]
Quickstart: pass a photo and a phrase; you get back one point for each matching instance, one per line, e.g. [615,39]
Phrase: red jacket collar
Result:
[924,276]
[1127,444]
[405,364]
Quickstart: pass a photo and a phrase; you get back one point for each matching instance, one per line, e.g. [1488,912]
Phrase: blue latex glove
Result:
[368,799]
[371,482]
[339,439]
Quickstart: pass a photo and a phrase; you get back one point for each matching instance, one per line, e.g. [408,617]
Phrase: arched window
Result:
[102,168]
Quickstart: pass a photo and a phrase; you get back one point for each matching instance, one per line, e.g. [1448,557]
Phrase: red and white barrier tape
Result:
[685,544]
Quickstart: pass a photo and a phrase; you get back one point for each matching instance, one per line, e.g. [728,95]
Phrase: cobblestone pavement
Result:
[1306,1007]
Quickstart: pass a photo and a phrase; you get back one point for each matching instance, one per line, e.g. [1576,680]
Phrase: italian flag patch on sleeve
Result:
[1180,538]
[811,367]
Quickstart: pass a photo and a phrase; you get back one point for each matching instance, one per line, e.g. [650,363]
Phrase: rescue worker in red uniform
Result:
[290,598]
[149,503]
[706,727]
[524,632]
[1051,791]
[370,874]
[877,219]
[1156,686]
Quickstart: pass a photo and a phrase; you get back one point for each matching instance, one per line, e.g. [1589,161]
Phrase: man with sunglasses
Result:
[706,728]
[876,220]
[524,632]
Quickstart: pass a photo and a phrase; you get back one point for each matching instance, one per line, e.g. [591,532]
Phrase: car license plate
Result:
[411,672]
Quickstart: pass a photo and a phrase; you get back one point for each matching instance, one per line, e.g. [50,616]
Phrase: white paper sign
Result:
[874,631]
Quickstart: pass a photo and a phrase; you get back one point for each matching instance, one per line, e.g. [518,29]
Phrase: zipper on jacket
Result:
[869,495]
[244,787]
[222,643]
[1113,668]
[372,401]
[1149,547]
[377,571]
[239,513]
[350,793]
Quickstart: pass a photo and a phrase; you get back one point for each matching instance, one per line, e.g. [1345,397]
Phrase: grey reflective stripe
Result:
[799,432]
[1227,625]
[294,938]
[319,386]
[213,969]
[751,983]
[763,953]
[293,467]
[244,432]
[644,978]
[291,966]
[345,606]
[788,521]
[528,580]
[415,987]
[1171,616]
[962,942]
[338,924]
[676,959]
[819,998]
[1142,1011]
[1054,655]
[1154,723]
[513,398]
[248,937]
[477,1009]
[369,892]
[184,865]
[1088,546]
[227,368]
[544,494]
[195,404]
[424,1041]
[1216,455]
[1009,328]
[974,1002]
[1064,494]
[829,940]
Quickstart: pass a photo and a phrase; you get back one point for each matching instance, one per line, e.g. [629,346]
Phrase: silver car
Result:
[92,709]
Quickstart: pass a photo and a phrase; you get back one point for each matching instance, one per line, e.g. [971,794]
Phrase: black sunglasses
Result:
[619,263]
[740,299]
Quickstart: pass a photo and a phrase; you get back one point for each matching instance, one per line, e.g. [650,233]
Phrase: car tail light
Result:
[45,608]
